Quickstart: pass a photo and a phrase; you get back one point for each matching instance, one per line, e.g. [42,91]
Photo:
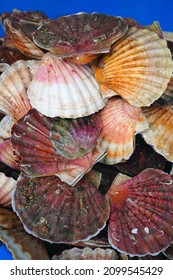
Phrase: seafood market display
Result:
[86,137]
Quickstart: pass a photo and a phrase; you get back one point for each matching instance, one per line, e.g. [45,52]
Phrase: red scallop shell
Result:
[141,219]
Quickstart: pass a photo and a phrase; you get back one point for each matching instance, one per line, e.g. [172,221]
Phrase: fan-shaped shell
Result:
[13,85]
[74,138]
[36,155]
[160,132]
[141,219]
[6,153]
[63,89]
[138,67]
[80,37]
[7,185]
[70,214]
[87,254]
[22,245]
[20,27]
[119,120]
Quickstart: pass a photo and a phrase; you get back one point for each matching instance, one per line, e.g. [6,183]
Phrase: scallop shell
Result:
[87,254]
[63,89]
[36,155]
[155,27]
[6,153]
[13,85]
[10,55]
[22,245]
[73,138]
[70,214]
[7,185]
[160,132]
[64,38]
[168,36]
[118,128]
[167,97]
[5,127]
[141,218]
[20,28]
[138,67]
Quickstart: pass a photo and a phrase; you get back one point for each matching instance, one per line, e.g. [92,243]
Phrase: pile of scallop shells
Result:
[86,137]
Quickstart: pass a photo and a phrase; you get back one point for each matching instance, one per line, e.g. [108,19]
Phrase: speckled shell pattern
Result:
[141,219]
[70,214]
[17,239]
[63,89]
[138,67]
[159,135]
[80,36]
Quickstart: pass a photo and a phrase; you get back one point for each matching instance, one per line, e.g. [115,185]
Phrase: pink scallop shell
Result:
[141,219]
[57,212]
[6,153]
[63,89]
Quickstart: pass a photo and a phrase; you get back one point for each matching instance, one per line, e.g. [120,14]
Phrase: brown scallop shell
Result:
[6,153]
[63,89]
[20,27]
[117,135]
[36,155]
[7,185]
[87,254]
[22,245]
[80,37]
[138,67]
[141,215]
[13,86]
[70,214]
[160,132]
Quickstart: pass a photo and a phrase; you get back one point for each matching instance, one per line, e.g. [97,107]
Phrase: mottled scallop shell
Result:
[20,27]
[141,217]
[63,89]
[74,138]
[36,155]
[5,127]
[70,214]
[80,37]
[7,185]
[6,153]
[87,254]
[167,97]
[119,121]
[13,85]
[160,132]
[22,245]
[138,67]
[10,55]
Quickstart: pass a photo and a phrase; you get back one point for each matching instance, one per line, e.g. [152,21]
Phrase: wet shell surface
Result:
[74,138]
[160,132]
[63,89]
[80,37]
[87,254]
[7,185]
[13,85]
[36,155]
[6,153]
[22,245]
[117,134]
[141,219]
[138,67]
[20,27]
[70,214]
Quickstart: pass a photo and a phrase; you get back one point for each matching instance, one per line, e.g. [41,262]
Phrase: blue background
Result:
[145,12]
